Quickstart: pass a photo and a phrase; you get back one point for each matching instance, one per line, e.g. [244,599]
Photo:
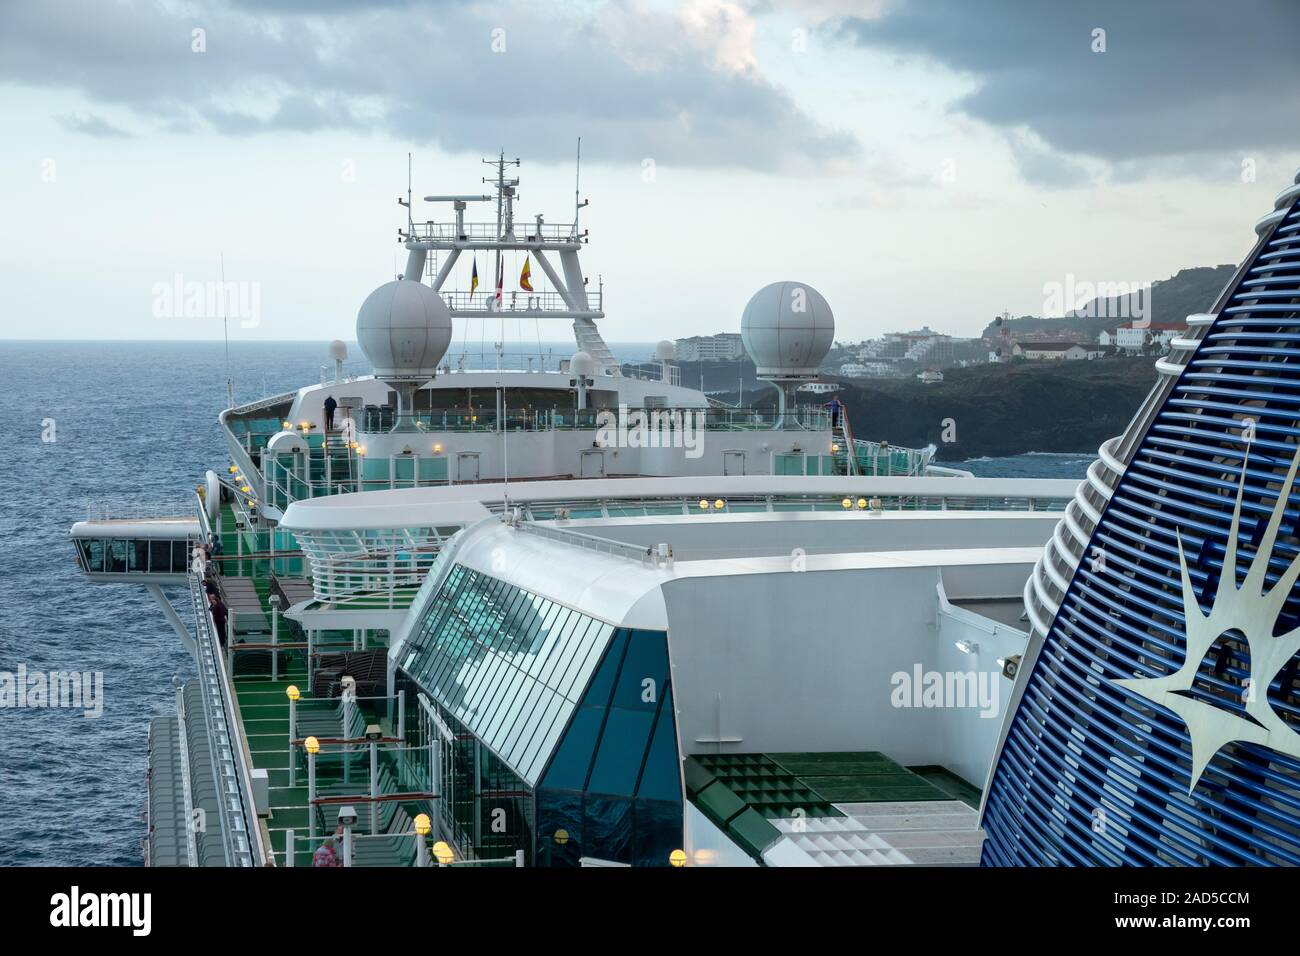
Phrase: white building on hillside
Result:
[725,347]
[1049,351]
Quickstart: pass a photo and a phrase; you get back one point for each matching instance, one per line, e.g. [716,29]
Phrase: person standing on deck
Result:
[219,616]
[326,856]
[330,405]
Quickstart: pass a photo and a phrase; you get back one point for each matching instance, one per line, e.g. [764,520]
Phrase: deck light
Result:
[311,745]
[719,504]
[677,858]
[233,469]
[847,503]
[968,647]
[361,450]
[287,425]
[835,448]
[245,489]
[443,853]
[292,692]
[437,448]
[561,836]
[305,425]
[862,503]
[704,504]
[423,825]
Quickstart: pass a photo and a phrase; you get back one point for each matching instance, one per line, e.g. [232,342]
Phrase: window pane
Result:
[568,770]
[622,747]
[160,557]
[661,778]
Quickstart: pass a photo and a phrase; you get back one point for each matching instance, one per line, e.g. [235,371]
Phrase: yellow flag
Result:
[525,277]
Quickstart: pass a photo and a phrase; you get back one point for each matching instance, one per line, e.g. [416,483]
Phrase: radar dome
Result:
[664,351]
[581,363]
[404,328]
[339,350]
[787,328]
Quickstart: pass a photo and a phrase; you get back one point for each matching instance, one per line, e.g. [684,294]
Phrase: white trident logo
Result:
[1253,612]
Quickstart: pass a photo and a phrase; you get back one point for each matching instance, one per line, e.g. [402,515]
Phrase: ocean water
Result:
[93,424]
[1032,465]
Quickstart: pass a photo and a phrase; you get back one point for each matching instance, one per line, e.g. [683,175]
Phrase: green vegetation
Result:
[1004,409]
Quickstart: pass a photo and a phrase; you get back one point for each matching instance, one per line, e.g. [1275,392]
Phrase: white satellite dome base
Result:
[405,419]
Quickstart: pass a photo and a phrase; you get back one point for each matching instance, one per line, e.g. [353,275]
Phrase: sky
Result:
[919,163]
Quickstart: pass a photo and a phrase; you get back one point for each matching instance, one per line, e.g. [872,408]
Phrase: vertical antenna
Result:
[225,333]
[504,422]
[410,220]
[577,179]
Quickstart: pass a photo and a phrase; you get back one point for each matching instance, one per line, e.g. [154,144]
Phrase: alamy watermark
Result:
[67,690]
[946,689]
[1098,300]
[182,299]
[653,428]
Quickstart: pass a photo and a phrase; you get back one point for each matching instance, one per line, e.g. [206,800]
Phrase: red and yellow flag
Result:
[526,277]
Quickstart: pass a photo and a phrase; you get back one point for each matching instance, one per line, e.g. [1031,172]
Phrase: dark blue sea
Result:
[132,421]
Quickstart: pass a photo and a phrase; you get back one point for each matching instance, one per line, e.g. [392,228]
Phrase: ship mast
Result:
[569,299]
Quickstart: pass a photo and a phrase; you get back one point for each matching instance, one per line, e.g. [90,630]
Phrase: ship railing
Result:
[329,374]
[881,459]
[242,458]
[517,301]
[487,360]
[138,509]
[183,749]
[889,501]
[301,848]
[654,557]
[360,567]
[381,419]
[241,829]
[430,231]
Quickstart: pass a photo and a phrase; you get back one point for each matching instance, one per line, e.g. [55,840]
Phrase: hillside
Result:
[1005,409]
[1172,300]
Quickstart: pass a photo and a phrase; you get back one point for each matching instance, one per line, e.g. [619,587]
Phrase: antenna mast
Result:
[577,179]
[225,334]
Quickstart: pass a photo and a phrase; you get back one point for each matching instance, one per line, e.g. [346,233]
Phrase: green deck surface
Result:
[264,717]
[741,793]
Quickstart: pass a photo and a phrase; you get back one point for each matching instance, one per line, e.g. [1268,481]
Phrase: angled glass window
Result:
[508,664]
[616,762]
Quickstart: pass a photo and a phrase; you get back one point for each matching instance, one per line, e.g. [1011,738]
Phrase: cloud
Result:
[680,86]
[91,125]
[1199,76]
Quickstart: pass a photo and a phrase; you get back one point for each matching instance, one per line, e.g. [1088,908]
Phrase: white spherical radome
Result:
[338,351]
[664,351]
[787,328]
[404,328]
[581,363]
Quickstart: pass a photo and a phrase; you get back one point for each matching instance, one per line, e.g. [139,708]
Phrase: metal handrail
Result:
[126,508]
[191,850]
[554,419]
[230,768]
[592,542]
[524,231]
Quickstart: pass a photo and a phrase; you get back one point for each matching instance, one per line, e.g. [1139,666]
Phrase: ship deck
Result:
[263,712]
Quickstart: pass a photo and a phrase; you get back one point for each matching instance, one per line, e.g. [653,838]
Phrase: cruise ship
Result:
[588,616]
